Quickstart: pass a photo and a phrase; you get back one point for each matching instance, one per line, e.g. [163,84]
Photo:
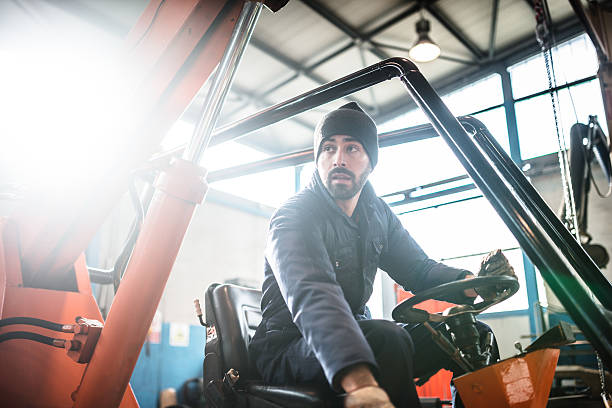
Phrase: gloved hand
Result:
[494,264]
[369,396]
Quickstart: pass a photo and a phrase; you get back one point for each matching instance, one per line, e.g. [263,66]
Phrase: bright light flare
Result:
[58,106]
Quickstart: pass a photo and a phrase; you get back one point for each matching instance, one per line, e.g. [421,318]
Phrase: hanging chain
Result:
[568,194]
[543,34]
[605,396]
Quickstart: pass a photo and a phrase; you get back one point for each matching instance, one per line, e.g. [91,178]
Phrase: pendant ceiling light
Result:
[424,49]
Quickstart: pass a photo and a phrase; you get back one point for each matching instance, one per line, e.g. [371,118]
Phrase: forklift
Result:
[83,360]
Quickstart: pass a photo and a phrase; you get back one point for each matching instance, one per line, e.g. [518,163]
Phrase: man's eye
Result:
[353,148]
[327,148]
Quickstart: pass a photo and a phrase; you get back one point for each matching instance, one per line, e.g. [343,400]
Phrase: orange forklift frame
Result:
[172,50]
[38,249]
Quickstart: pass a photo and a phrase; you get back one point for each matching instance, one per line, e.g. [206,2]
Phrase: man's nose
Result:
[339,160]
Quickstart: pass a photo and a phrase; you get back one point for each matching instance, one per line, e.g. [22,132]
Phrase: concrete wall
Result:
[224,242]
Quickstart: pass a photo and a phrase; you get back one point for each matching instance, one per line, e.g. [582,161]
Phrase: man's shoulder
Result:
[303,205]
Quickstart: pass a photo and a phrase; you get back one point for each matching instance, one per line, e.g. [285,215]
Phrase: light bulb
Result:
[424,51]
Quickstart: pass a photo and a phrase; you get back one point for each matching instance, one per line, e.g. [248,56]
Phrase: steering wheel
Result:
[405,312]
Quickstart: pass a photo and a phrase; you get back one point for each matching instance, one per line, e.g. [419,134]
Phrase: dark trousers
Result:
[402,354]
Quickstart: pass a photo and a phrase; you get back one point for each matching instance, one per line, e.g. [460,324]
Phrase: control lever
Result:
[487,348]
[449,348]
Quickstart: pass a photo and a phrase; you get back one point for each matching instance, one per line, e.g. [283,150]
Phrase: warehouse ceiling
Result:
[310,42]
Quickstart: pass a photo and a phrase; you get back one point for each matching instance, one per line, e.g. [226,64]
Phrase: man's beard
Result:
[342,191]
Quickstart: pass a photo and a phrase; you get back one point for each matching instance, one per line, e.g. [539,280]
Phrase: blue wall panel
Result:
[162,366]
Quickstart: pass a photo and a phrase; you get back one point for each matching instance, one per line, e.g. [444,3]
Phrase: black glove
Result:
[494,264]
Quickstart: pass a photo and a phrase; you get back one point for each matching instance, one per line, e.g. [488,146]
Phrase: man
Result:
[324,247]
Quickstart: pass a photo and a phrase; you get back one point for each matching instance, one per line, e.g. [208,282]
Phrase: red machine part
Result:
[438,385]
[86,335]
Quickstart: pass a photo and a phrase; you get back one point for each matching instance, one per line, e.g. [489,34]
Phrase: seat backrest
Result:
[236,314]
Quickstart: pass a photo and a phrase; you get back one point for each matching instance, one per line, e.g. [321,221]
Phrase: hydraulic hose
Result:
[30,321]
[33,337]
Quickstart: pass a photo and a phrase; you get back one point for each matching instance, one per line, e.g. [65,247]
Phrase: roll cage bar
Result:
[563,263]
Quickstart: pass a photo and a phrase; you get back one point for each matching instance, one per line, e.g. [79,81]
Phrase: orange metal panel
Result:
[518,382]
[438,385]
[34,374]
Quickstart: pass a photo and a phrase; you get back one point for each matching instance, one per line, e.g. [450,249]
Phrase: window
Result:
[475,97]
[460,234]
[414,164]
[270,188]
[411,118]
[495,121]
[535,119]
[572,60]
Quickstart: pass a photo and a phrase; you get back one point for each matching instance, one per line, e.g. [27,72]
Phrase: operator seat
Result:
[232,315]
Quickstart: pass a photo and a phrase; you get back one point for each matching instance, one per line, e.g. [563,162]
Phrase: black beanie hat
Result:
[352,121]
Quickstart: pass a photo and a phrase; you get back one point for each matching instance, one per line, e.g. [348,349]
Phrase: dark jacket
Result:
[320,268]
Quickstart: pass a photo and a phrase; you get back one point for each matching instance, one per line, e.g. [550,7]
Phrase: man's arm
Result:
[408,265]
[306,280]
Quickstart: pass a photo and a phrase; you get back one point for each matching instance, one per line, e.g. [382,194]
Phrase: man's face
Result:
[344,166]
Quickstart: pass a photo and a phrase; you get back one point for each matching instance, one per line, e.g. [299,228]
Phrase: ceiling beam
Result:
[455,31]
[343,26]
[283,59]
[298,69]
[493,30]
[392,21]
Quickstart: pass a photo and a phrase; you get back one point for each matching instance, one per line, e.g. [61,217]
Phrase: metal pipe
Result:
[299,157]
[493,28]
[331,91]
[222,81]
[537,245]
[552,226]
